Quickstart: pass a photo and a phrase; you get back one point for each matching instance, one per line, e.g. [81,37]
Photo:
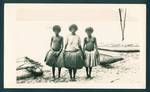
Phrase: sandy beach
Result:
[122,72]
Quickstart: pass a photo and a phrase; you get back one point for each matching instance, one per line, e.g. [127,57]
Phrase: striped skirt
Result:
[91,59]
[52,59]
[73,59]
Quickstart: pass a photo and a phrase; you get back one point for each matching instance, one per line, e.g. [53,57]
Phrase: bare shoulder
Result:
[94,38]
[61,37]
[85,38]
[52,37]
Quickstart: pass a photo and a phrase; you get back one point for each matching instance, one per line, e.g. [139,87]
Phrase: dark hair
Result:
[73,26]
[89,29]
[56,27]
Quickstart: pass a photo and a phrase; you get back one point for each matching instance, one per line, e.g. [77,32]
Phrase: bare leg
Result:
[90,71]
[59,71]
[53,70]
[70,73]
[87,70]
[74,73]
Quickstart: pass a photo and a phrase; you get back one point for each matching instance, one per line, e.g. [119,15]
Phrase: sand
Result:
[121,74]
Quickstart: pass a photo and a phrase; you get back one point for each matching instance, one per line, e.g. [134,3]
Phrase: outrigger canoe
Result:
[108,59]
[27,67]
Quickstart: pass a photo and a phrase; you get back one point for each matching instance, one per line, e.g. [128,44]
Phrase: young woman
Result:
[53,54]
[73,57]
[90,51]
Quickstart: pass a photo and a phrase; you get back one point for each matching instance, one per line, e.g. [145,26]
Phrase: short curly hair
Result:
[56,27]
[89,29]
[73,26]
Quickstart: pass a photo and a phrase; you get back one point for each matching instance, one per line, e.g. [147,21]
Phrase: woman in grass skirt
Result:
[54,58]
[90,51]
[73,56]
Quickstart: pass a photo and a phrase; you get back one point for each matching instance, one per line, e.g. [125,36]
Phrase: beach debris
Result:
[27,67]
[114,80]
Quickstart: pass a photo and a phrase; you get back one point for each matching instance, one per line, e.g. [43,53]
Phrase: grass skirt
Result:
[91,59]
[53,59]
[73,59]
[60,60]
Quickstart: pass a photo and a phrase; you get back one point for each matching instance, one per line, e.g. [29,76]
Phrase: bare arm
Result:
[84,43]
[96,44]
[62,45]
[51,43]
[80,47]
[66,44]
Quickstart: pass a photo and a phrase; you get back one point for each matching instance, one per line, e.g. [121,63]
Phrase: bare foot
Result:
[73,79]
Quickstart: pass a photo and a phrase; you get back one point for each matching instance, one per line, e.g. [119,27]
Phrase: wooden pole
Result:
[122,22]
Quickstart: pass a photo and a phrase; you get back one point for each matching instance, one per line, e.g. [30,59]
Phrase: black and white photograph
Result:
[75,46]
